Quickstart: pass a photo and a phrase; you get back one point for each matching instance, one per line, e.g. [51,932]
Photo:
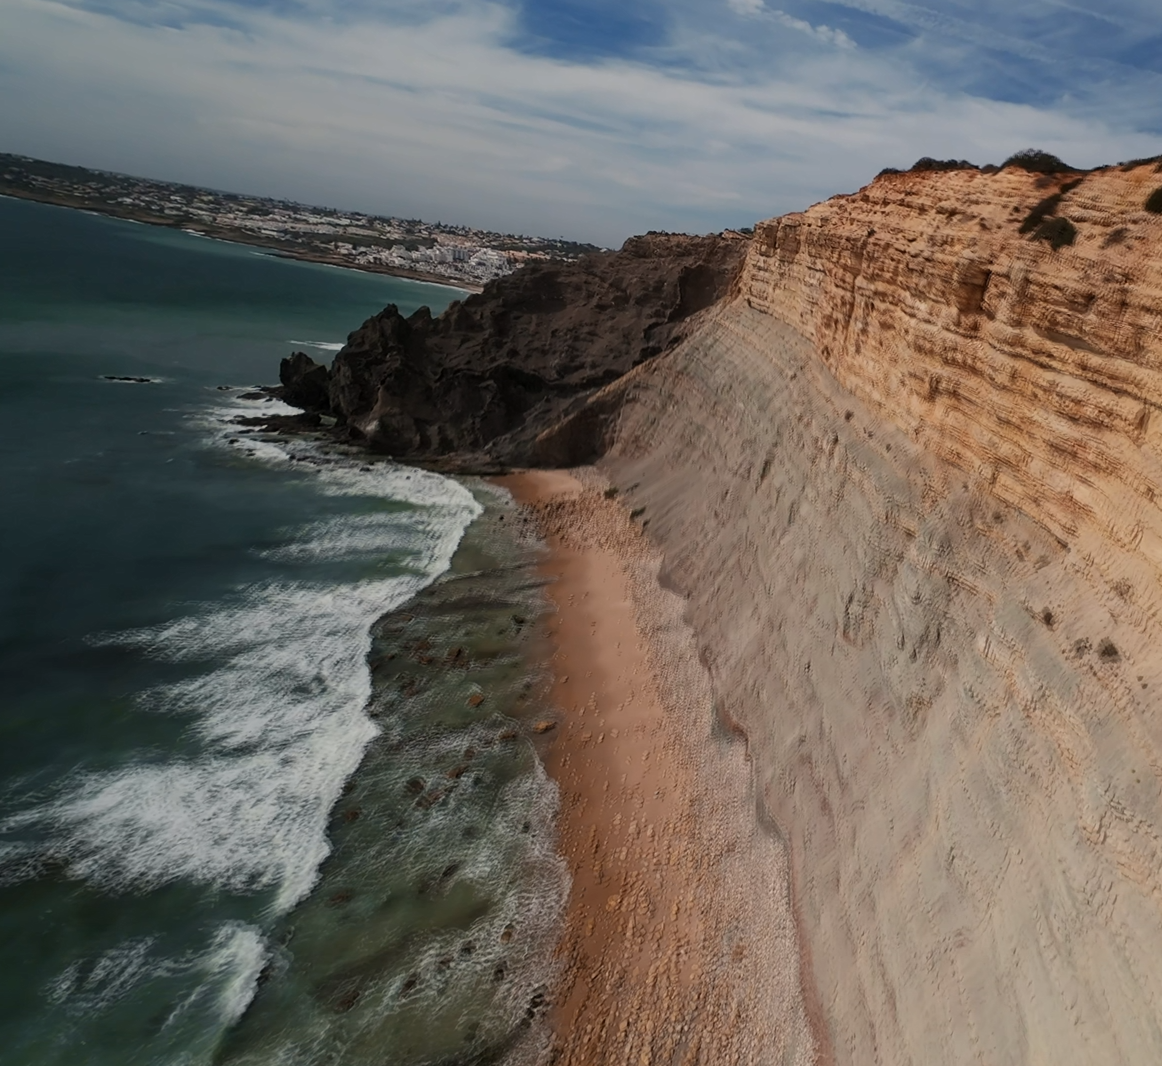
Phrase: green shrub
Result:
[1036,161]
[1154,202]
[889,170]
[1057,231]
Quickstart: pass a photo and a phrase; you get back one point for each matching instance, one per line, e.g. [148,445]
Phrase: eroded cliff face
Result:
[1036,369]
[905,476]
[906,480]
[478,383]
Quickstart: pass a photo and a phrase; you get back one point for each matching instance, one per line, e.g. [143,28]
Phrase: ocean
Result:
[265,791]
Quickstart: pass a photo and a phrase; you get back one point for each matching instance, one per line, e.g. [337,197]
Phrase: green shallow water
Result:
[247,811]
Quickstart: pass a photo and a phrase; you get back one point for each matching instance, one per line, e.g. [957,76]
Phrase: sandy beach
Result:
[679,944]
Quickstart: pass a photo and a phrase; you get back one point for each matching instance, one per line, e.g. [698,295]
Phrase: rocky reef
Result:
[485,378]
[904,468]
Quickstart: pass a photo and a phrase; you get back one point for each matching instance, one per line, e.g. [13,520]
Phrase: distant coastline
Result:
[438,253]
[281,249]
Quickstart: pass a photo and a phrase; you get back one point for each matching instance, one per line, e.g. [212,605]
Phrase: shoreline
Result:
[243,239]
[679,943]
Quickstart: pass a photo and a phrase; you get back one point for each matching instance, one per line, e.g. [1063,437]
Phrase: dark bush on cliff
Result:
[1037,162]
[1145,161]
[1154,202]
[928,163]
[1042,211]
[1047,207]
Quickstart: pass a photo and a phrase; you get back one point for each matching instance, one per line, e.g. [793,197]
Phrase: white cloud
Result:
[821,33]
[746,7]
[439,118]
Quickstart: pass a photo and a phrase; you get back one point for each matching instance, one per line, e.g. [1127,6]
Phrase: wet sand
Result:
[679,944]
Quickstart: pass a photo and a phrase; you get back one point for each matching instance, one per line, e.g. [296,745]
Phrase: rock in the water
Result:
[305,383]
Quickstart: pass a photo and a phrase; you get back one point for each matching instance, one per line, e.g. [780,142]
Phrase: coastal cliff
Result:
[482,380]
[907,481]
[904,474]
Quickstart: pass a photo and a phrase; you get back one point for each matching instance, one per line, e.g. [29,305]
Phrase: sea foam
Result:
[323,346]
[279,711]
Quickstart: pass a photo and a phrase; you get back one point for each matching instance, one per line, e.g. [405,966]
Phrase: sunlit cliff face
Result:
[906,480]
[1034,368]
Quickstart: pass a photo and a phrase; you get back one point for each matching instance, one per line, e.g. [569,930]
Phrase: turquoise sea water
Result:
[247,813]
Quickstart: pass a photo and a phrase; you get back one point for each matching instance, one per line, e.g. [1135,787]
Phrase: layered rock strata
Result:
[1037,369]
[905,476]
[968,787]
[907,482]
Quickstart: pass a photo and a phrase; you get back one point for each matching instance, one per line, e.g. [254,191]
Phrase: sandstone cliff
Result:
[906,477]
[907,481]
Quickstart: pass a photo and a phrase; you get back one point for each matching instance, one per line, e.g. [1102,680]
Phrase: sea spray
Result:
[432,930]
[277,703]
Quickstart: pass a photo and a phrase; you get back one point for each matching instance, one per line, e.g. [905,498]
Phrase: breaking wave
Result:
[278,712]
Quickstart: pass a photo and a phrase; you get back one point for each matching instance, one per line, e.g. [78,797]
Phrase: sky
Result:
[589,119]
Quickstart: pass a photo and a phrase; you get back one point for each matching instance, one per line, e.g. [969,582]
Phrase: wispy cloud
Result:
[699,116]
[821,33]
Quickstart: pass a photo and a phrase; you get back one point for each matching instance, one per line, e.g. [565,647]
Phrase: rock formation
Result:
[492,371]
[906,475]
[305,383]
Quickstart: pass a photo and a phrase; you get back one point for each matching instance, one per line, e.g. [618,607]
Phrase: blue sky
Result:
[588,118]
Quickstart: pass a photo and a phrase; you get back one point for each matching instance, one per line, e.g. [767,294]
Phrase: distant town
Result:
[450,255]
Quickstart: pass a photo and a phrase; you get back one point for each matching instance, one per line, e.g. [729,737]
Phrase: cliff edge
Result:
[907,480]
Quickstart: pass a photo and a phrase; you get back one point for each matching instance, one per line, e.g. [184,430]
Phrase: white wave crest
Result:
[227,970]
[280,713]
[323,346]
[234,961]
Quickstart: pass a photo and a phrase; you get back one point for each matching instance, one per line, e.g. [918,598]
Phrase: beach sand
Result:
[679,943]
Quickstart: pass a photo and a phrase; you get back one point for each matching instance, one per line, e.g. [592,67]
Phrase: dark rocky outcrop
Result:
[484,379]
[305,383]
